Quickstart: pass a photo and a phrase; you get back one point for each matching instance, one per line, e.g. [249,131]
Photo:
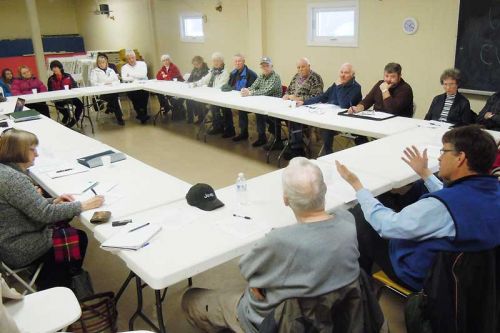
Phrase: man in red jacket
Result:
[170,72]
[25,84]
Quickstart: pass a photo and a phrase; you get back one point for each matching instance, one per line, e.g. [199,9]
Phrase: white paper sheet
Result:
[242,228]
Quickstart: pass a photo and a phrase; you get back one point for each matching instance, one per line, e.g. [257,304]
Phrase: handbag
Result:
[81,284]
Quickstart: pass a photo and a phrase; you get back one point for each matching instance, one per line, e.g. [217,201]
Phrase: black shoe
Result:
[71,123]
[120,122]
[259,142]
[278,145]
[145,119]
[228,134]
[291,153]
[240,137]
[215,131]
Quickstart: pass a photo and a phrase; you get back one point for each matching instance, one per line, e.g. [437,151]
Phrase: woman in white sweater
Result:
[132,71]
[104,75]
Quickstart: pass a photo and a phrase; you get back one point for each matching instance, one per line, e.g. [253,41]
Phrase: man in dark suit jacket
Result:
[241,77]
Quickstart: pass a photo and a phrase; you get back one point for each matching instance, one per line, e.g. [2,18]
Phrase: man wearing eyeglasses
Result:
[462,215]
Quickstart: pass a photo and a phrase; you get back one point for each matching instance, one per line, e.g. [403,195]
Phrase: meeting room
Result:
[250,166]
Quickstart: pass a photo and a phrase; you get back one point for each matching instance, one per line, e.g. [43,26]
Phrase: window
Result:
[192,28]
[333,24]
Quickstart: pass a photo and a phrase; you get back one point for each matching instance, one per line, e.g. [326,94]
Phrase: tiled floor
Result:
[173,148]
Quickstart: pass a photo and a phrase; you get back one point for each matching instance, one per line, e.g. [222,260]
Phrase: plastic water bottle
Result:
[241,189]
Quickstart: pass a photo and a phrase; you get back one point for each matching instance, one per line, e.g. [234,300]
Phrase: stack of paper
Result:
[135,237]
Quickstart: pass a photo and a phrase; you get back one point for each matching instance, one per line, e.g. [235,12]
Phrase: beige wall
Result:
[225,31]
[381,40]
[129,29]
[276,28]
[55,16]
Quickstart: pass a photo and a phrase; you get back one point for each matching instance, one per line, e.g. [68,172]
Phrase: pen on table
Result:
[58,171]
[243,217]
[93,191]
[139,227]
[90,187]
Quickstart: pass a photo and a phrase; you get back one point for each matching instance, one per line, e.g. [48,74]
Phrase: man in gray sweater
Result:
[316,256]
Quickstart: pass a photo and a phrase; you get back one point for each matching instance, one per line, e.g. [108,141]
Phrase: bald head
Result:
[303,186]
[303,67]
[346,73]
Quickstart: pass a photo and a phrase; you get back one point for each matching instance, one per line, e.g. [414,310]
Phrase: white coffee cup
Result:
[34,91]
[66,87]
[175,79]
[106,161]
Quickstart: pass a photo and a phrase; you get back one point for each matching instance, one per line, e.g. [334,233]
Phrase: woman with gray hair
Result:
[28,219]
[170,72]
[200,69]
[451,107]
[135,70]
[216,78]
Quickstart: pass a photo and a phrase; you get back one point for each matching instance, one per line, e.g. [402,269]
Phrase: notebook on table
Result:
[135,237]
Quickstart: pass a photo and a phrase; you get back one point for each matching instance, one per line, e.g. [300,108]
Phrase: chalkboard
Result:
[478,45]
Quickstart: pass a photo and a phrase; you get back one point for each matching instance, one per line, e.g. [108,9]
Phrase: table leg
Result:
[159,312]
[139,310]
[277,130]
[87,105]
[124,286]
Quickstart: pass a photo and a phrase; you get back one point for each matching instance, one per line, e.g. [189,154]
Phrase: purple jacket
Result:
[24,86]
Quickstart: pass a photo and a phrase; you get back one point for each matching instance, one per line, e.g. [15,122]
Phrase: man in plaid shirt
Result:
[267,84]
[304,85]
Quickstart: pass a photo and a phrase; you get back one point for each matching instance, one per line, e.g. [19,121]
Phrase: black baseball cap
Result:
[203,197]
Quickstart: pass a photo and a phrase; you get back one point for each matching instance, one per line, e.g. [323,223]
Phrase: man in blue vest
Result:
[462,215]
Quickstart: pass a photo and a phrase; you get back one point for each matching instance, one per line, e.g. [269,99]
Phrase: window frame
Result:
[191,39]
[334,5]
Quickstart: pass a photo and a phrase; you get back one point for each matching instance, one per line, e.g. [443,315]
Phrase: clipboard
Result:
[378,116]
[93,161]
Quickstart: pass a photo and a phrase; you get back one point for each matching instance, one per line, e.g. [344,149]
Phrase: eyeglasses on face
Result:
[443,151]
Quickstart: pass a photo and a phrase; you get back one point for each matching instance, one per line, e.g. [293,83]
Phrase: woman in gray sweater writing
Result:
[26,217]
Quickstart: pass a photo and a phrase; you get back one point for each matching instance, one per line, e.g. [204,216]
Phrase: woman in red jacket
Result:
[58,81]
[170,72]
[25,84]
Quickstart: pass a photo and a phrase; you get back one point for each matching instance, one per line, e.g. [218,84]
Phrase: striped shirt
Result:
[448,102]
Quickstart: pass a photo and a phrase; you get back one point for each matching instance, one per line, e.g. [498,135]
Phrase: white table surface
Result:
[193,241]
[271,106]
[139,186]
[78,92]
[276,107]
[382,157]
[45,311]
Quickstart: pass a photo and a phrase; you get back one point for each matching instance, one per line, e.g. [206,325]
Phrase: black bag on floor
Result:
[81,284]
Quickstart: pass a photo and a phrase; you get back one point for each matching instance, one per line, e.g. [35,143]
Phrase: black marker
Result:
[243,217]
[139,227]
